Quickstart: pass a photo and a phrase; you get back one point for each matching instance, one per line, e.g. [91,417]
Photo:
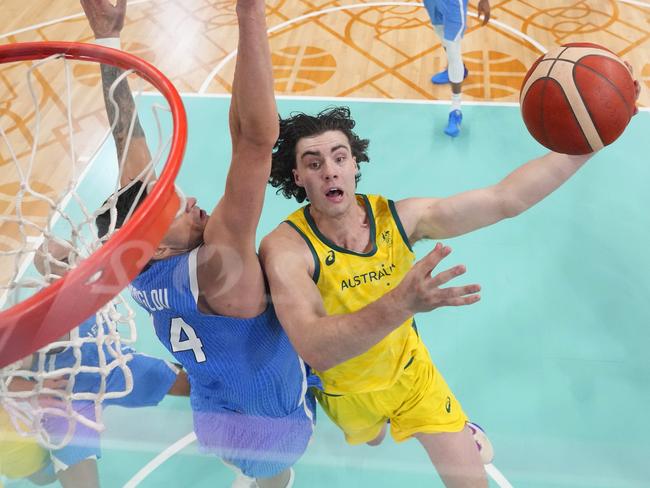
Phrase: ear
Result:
[161,252]
[296,178]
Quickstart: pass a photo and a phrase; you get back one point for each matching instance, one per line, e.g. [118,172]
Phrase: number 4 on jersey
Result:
[191,343]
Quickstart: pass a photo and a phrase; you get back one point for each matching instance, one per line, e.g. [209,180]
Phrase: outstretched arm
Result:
[107,21]
[440,218]
[323,340]
[254,128]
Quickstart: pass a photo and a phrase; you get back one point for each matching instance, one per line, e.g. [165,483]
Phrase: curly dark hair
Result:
[300,125]
[132,197]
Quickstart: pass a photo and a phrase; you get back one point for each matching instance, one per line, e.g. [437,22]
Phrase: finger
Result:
[431,260]
[461,301]
[56,384]
[447,275]
[444,294]
[487,18]
[85,6]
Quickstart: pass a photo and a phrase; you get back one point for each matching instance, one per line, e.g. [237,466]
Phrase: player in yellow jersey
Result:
[22,456]
[346,286]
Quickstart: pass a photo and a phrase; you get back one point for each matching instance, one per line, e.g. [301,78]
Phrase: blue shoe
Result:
[453,125]
[442,78]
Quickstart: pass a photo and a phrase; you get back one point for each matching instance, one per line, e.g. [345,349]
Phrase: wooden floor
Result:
[320,48]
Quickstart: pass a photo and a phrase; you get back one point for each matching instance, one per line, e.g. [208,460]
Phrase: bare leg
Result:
[43,477]
[279,481]
[81,475]
[181,386]
[456,458]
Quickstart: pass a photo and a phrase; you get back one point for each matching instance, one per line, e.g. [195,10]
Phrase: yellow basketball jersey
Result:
[19,456]
[348,281]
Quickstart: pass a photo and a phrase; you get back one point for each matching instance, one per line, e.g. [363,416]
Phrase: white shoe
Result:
[243,481]
[484,445]
[292,477]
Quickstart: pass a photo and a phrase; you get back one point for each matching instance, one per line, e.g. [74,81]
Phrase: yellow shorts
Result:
[20,456]
[419,402]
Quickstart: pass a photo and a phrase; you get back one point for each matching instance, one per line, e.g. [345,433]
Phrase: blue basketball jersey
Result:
[234,364]
[152,377]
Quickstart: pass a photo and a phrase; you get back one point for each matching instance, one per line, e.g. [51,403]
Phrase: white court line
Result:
[637,3]
[342,100]
[152,465]
[188,439]
[496,475]
[226,60]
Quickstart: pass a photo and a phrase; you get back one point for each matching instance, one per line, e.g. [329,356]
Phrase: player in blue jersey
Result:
[449,19]
[204,286]
[75,464]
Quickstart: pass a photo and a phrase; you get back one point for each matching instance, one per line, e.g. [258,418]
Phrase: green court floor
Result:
[552,362]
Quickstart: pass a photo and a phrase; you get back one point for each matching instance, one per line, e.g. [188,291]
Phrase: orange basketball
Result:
[577,98]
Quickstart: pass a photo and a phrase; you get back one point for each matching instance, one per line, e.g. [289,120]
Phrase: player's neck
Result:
[349,230]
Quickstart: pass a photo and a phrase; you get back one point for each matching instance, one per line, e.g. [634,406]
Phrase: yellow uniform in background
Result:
[20,456]
[395,379]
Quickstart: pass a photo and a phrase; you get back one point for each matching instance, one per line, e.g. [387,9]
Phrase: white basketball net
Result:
[43,216]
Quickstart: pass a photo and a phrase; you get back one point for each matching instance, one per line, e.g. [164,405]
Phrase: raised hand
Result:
[484,9]
[105,19]
[419,291]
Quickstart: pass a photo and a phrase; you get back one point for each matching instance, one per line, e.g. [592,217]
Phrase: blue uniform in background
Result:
[152,379]
[451,14]
[248,386]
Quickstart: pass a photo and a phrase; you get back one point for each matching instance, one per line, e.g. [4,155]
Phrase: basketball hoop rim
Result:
[31,324]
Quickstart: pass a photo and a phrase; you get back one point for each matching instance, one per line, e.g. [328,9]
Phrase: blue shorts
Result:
[152,379]
[451,14]
[259,446]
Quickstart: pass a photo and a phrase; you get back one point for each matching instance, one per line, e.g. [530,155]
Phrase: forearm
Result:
[254,114]
[121,113]
[535,180]
[333,339]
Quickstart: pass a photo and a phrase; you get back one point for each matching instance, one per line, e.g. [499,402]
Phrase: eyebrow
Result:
[318,153]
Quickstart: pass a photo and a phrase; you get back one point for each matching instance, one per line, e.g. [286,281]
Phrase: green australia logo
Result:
[448,405]
[329,260]
[386,237]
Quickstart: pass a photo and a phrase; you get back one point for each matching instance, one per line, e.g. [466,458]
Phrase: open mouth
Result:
[334,193]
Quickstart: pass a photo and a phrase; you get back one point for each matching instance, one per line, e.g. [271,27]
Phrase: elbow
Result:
[317,359]
[512,208]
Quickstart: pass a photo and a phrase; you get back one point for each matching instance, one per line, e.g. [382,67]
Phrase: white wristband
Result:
[113,42]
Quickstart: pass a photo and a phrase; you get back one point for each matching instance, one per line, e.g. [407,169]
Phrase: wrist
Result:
[112,42]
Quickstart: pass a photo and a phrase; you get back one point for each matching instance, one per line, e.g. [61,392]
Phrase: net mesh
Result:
[50,391]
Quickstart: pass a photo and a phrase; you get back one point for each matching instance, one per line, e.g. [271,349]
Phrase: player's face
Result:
[326,169]
[186,231]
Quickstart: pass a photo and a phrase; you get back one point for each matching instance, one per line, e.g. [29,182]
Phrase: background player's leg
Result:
[456,458]
[283,480]
[81,475]
[379,439]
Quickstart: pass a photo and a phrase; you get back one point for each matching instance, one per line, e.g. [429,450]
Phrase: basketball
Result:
[577,98]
